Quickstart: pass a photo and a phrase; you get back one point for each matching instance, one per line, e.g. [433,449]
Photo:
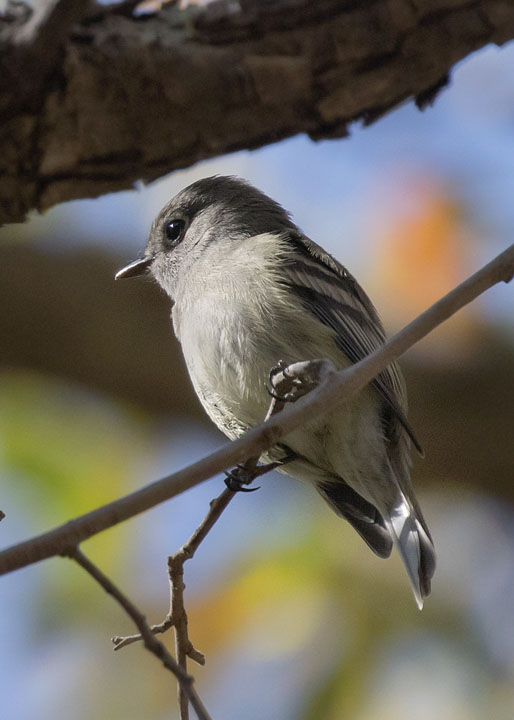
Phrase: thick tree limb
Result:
[120,100]
[335,388]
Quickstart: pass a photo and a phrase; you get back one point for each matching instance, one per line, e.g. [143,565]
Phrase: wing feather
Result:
[333,295]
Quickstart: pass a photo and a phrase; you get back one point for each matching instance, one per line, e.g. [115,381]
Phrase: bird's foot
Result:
[279,375]
[238,478]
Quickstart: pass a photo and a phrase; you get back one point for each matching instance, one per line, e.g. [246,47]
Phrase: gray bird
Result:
[248,289]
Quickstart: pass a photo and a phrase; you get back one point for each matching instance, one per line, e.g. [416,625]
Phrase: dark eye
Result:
[175,231]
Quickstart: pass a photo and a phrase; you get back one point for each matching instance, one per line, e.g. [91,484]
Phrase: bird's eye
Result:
[175,231]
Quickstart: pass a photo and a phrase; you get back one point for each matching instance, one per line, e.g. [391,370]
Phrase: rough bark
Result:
[93,100]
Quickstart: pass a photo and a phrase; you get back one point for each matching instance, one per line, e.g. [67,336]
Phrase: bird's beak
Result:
[134,269]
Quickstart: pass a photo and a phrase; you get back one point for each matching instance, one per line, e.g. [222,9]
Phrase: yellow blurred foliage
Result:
[66,451]
[272,595]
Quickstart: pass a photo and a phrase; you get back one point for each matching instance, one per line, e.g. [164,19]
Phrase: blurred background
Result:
[298,619]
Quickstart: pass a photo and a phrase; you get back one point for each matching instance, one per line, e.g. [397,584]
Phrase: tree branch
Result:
[259,72]
[177,615]
[247,473]
[335,388]
[150,641]
[31,44]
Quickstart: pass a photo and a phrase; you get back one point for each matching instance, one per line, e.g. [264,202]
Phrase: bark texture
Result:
[92,100]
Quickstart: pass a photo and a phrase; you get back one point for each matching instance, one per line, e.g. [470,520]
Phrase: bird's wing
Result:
[333,295]
[329,292]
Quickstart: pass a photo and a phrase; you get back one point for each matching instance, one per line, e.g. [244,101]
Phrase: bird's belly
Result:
[229,357]
[229,368]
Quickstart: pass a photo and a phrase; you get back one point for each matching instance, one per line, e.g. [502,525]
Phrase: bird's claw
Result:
[280,367]
[238,484]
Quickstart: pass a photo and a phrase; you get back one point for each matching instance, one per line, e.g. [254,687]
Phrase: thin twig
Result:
[179,620]
[217,506]
[177,615]
[151,643]
[335,389]
[186,552]
[247,472]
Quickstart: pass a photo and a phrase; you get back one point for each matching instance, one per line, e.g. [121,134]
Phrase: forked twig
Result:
[288,385]
[151,643]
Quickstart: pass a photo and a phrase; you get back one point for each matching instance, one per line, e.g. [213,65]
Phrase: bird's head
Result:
[212,211]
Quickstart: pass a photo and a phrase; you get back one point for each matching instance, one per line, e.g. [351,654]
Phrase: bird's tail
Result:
[412,538]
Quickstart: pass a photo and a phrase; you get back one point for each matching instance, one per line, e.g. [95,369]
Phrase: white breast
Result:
[235,321]
[235,326]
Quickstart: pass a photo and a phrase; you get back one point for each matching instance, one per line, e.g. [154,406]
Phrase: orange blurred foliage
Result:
[424,243]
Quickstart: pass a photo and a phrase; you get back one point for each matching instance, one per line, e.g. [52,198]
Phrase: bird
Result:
[248,288]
